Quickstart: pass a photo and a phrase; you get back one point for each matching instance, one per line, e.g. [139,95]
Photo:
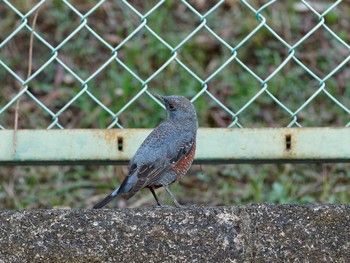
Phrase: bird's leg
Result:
[154,195]
[172,196]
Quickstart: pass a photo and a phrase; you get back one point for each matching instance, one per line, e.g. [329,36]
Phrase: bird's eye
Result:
[171,106]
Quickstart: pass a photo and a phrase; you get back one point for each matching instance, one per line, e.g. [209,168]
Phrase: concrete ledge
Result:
[252,233]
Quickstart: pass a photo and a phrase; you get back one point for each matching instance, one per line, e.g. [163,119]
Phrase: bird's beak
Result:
[159,97]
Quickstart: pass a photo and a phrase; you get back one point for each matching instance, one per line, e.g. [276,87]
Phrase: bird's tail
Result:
[107,199]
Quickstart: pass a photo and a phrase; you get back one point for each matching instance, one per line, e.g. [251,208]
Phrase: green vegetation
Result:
[144,54]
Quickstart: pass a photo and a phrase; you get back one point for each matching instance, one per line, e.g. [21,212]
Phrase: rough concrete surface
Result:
[252,233]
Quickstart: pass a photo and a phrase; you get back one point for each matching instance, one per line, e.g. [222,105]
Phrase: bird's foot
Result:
[178,205]
[163,206]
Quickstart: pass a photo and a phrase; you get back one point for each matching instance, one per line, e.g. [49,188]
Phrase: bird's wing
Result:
[146,176]
[155,157]
[184,149]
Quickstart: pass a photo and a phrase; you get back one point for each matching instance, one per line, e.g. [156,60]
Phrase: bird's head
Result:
[179,109]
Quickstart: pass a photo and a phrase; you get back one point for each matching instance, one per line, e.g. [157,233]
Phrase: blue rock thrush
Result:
[166,154]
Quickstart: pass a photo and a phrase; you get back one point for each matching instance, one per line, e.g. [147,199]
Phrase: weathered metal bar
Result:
[117,146]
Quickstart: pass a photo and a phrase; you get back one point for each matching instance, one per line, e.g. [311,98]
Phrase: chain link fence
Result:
[242,63]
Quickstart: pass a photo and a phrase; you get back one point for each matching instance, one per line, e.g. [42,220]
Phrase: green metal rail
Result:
[117,146]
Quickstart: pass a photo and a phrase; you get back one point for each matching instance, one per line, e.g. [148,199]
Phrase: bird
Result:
[166,154]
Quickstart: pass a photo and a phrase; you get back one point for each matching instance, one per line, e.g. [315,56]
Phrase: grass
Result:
[82,186]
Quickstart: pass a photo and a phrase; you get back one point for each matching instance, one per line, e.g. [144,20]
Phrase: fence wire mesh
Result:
[243,63]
